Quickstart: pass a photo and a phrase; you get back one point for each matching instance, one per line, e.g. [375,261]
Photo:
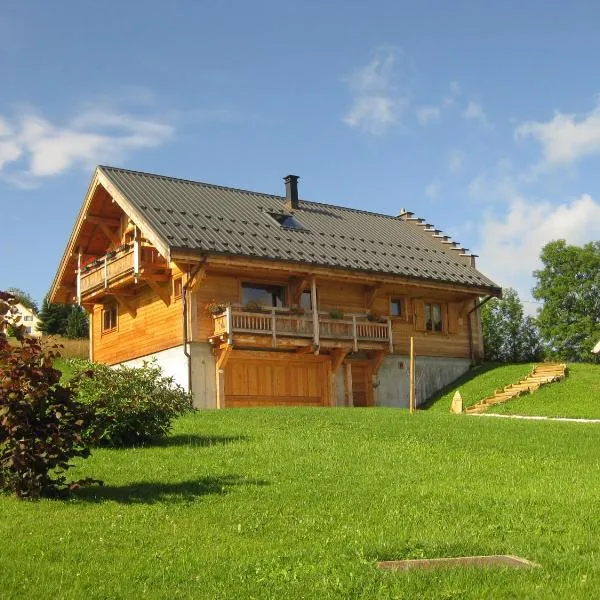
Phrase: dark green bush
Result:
[41,425]
[132,405]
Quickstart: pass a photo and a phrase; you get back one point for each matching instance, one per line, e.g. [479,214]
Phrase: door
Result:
[362,383]
[255,378]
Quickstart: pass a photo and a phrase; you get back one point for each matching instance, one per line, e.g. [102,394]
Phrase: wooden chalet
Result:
[250,299]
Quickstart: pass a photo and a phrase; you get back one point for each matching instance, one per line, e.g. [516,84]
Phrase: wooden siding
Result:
[276,379]
[155,327]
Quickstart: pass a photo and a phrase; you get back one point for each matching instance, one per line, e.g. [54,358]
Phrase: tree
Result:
[24,298]
[53,318]
[77,323]
[509,336]
[569,286]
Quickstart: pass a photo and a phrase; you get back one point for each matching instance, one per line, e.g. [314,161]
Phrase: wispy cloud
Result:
[512,242]
[432,190]
[566,138]
[475,112]
[428,114]
[455,161]
[32,147]
[378,97]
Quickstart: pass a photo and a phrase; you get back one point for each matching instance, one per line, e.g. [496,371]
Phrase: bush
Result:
[131,405]
[41,425]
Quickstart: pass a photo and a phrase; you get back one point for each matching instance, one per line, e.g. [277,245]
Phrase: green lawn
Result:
[300,503]
[478,383]
[578,395]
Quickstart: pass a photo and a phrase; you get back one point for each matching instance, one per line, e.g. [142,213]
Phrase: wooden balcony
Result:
[120,268]
[278,328]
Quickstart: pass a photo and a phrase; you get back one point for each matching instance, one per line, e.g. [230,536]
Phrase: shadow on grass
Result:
[202,441]
[468,376]
[150,492]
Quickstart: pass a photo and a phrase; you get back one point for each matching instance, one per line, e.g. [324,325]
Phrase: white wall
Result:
[173,363]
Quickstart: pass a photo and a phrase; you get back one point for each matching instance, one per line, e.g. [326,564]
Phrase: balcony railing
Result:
[280,323]
[118,265]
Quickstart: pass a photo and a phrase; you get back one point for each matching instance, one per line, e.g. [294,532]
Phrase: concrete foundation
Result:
[431,375]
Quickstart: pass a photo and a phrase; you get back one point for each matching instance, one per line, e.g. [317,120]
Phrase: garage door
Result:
[276,379]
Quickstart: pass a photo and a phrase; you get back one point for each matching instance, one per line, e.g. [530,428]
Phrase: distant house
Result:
[250,299]
[28,319]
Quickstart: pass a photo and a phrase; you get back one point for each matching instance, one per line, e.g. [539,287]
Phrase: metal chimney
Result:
[291,191]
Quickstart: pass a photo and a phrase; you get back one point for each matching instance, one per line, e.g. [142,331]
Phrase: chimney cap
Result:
[291,178]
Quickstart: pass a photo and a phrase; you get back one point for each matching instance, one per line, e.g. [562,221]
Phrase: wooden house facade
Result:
[250,299]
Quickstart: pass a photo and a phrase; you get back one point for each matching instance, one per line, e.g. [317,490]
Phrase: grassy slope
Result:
[577,396]
[479,383]
[299,503]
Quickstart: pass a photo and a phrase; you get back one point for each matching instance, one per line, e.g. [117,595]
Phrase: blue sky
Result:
[483,118]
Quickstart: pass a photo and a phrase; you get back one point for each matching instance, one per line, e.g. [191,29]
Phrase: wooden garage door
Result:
[362,386]
[276,379]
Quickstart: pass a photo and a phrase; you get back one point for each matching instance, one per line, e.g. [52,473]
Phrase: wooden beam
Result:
[224,356]
[297,285]
[101,220]
[110,234]
[349,393]
[160,291]
[128,306]
[377,359]
[371,293]
[305,349]
[197,279]
[337,358]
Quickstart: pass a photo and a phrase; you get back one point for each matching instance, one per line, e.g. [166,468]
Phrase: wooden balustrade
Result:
[277,322]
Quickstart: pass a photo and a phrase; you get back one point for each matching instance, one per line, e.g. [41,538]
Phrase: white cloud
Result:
[565,138]
[377,103]
[455,161]
[428,114]
[34,148]
[432,190]
[475,112]
[511,243]
[455,91]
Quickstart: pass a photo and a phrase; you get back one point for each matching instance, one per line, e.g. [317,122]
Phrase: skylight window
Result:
[286,221]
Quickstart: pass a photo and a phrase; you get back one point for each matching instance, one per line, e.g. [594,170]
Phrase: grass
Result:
[478,383]
[578,395]
[300,503]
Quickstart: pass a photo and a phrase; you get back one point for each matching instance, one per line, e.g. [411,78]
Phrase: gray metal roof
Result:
[206,218]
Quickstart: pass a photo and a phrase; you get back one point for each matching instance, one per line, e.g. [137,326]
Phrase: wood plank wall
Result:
[351,298]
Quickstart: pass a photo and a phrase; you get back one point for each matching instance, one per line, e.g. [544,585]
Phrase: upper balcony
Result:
[281,328]
[117,269]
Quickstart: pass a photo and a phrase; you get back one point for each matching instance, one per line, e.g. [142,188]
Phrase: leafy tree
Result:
[41,424]
[509,336]
[24,298]
[53,318]
[77,323]
[569,286]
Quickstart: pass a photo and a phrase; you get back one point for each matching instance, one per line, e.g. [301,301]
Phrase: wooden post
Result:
[315,312]
[411,376]
[105,271]
[389,327]
[136,254]
[220,388]
[228,325]
[354,333]
[79,277]
[273,328]
[349,394]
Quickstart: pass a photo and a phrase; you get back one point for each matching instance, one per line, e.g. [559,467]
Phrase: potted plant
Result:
[375,317]
[215,308]
[296,310]
[254,307]
[336,313]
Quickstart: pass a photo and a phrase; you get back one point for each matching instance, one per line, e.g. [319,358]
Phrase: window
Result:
[397,307]
[177,287]
[28,330]
[109,319]
[286,221]
[433,317]
[27,318]
[265,295]
[306,300]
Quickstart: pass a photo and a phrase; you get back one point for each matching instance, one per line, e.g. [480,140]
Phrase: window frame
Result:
[401,300]
[177,281]
[428,307]
[109,308]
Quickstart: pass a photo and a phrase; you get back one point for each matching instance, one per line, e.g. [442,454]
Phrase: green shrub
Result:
[132,405]
[41,425]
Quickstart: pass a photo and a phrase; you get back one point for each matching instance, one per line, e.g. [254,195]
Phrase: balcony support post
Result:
[389,327]
[136,254]
[354,333]
[273,328]
[229,325]
[105,271]
[79,277]
[315,313]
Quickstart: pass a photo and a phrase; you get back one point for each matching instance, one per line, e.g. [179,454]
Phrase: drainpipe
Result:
[185,294]
[477,306]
